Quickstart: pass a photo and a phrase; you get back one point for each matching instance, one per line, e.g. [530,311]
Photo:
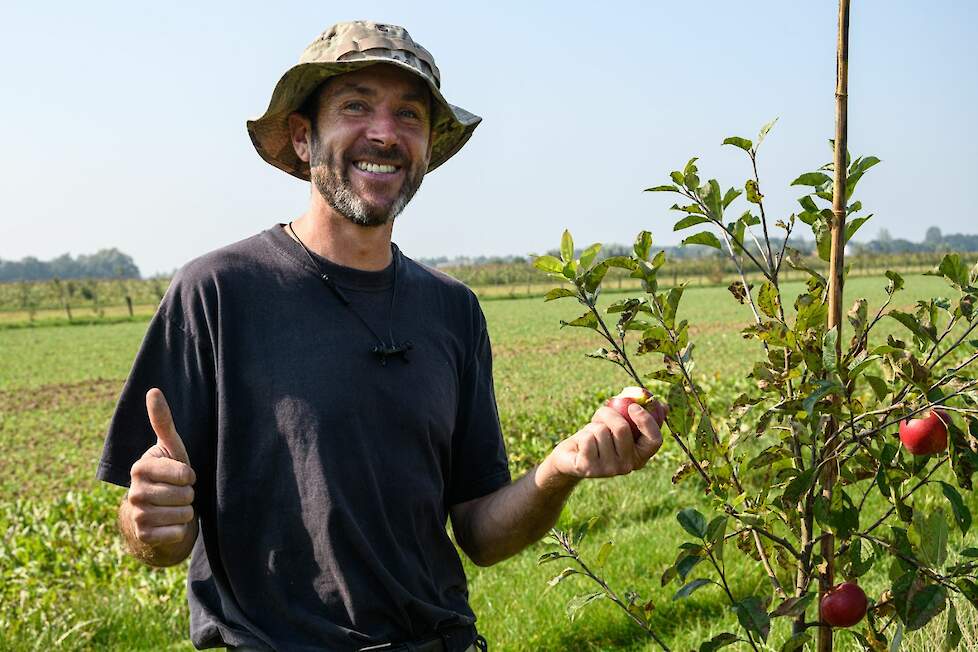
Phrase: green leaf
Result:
[796,642]
[913,324]
[797,487]
[693,522]
[666,188]
[814,179]
[690,168]
[728,198]
[589,254]
[688,221]
[567,247]
[880,388]
[603,554]
[768,299]
[968,589]
[688,589]
[680,417]
[853,225]
[895,284]
[954,270]
[559,293]
[830,358]
[737,141]
[825,387]
[560,577]
[719,641]
[548,264]
[862,365]
[594,276]
[622,262]
[930,534]
[754,195]
[671,307]
[952,631]
[642,246]
[794,606]
[925,604]
[764,132]
[577,603]
[809,205]
[703,238]
[587,320]
[753,617]
[677,176]
[897,638]
[962,515]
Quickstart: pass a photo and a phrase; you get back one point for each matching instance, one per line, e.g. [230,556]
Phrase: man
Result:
[332,400]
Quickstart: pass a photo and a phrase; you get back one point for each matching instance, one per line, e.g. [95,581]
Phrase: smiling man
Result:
[310,407]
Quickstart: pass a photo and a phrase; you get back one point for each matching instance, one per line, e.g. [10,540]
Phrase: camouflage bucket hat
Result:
[346,47]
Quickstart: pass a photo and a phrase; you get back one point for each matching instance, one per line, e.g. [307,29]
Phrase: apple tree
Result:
[790,466]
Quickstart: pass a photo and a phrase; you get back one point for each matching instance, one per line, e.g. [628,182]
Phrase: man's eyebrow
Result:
[358,89]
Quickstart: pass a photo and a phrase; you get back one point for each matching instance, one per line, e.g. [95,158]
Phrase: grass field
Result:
[65,582]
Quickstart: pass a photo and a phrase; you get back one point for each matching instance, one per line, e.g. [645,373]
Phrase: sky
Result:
[124,122]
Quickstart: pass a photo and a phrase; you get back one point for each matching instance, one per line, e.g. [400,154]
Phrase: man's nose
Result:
[383,129]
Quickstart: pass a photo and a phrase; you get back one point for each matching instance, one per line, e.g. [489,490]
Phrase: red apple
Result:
[926,435]
[843,605]
[640,396]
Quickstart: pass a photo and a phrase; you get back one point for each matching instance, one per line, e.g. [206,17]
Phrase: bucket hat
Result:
[343,48]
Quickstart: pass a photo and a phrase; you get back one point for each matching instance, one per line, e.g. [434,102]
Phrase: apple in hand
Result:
[843,605]
[926,435]
[643,397]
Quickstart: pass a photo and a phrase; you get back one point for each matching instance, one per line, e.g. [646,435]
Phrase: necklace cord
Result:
[384,350]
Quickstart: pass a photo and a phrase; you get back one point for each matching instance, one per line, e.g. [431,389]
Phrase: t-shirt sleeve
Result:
[179,361]
[479,464]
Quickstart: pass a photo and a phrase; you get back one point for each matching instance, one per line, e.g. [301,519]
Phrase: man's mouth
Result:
[375,168]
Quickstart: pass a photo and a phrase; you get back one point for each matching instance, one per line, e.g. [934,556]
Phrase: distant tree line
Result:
[934,242]
[107,263]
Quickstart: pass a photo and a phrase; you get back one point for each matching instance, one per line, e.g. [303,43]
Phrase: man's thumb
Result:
[160,418]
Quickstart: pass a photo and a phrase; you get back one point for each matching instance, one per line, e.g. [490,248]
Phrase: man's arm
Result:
[497,526]
[157,518]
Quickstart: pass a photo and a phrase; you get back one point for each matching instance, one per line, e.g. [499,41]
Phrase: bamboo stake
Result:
[836,270]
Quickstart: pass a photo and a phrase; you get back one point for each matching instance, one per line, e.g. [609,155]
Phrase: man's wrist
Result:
[549,478]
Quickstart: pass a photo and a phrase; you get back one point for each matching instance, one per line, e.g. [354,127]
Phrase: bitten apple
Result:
[843,605]
[926,435]
[640,396]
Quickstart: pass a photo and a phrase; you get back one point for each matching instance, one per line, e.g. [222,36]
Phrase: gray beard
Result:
[329,174]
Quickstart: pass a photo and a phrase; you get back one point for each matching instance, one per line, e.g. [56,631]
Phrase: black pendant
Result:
[384,352]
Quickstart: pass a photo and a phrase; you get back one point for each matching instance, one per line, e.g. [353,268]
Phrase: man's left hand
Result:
[606,447]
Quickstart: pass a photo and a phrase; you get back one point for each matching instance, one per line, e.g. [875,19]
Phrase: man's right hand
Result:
[158,514]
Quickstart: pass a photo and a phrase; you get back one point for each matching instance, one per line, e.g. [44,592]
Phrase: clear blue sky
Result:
[123,122]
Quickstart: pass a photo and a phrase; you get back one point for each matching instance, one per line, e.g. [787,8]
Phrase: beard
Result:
[329,172]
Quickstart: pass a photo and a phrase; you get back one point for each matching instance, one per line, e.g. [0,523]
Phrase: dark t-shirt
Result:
[323,478]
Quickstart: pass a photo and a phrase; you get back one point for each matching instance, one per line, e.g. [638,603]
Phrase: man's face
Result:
[370,142]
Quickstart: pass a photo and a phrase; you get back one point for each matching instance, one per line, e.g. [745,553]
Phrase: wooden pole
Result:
[836,270]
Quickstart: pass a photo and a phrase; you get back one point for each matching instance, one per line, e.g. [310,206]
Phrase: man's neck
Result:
[339,240]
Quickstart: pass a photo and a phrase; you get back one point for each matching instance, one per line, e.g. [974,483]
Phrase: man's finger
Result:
[162,470]
[651,438]
[162,421]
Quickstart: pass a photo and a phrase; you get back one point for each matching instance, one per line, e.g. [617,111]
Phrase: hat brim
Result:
[451,127]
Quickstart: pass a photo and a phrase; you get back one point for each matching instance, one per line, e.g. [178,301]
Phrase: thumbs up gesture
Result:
[158,514]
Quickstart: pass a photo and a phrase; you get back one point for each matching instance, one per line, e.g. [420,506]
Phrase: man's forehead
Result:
[373,79]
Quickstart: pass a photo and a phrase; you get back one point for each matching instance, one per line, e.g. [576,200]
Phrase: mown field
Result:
[65,582]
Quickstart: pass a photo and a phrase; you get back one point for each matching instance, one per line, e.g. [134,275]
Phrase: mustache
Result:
[394,155]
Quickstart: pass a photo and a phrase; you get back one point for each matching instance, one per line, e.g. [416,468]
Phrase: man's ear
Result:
[300,130]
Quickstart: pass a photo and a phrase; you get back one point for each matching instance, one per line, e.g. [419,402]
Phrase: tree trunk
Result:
[836,271]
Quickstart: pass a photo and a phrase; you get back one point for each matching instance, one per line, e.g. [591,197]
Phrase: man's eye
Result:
[411,113]
[355,106]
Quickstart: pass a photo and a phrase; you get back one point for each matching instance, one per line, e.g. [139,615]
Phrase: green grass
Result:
[66,583]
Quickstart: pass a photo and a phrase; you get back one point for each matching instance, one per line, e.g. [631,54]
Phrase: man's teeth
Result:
[373,167]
